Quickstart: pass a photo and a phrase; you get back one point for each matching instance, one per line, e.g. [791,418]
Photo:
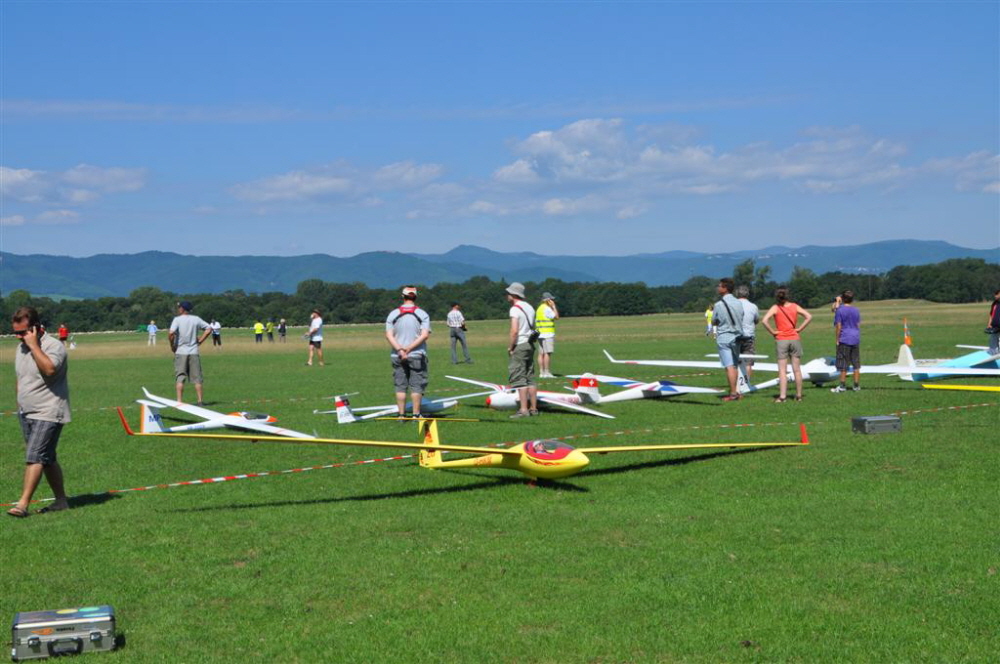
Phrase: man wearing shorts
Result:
[184,340]
[751,316]
[43,407]
[727,318]
[847,326]
[545,322]
[406,329]
[521,349]
[315,335]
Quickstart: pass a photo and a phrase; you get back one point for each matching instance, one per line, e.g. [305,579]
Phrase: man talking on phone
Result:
[42,392]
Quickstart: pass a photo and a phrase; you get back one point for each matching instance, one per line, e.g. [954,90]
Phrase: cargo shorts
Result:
[848,356]
[411,374]
[521,367]
[188,367]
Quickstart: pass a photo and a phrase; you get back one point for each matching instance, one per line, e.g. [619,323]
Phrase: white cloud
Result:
[22,184]
[105,180]
[607,169]
[339,182]
[629,212]
[975,172]
[520,172]
[293,186]
[406,175]
[56,217]
[12,220]
[81,184]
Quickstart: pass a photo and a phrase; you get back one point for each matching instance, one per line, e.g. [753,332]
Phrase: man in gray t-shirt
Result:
[42,391]
[727,317]
[184,340]
[406,329]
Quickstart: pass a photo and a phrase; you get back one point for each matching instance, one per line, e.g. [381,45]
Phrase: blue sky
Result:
[577,128]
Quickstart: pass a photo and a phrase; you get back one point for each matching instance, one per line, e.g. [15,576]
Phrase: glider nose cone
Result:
[489,402]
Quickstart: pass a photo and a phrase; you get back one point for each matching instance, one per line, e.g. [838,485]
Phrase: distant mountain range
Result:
[119,274]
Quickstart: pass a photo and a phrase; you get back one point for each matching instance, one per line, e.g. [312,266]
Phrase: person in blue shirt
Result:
[847,326]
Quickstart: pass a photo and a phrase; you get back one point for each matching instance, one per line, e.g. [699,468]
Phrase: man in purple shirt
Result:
[847,323]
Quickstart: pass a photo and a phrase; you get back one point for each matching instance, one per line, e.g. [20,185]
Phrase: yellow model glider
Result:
[538,459]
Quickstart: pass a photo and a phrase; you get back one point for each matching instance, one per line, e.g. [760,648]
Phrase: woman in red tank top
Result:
[789,346]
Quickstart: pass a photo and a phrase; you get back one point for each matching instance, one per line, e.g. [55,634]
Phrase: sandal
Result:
[17,512]
[779,399]
[798,398]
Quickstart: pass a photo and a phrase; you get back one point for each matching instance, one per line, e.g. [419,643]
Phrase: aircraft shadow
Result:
[692,402]
[492,483]
[675,462]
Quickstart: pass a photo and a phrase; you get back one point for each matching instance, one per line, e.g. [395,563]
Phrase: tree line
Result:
[956,280]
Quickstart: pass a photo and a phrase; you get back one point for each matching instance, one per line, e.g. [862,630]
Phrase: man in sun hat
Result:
[521,349]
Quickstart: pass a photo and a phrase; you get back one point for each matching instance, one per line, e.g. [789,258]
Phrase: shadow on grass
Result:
[678,462]
[91,499]
[693,402]
[492,483]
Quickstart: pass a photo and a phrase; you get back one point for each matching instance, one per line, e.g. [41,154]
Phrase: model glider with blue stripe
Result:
[823,370]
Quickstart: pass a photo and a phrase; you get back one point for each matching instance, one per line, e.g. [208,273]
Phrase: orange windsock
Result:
[906,334]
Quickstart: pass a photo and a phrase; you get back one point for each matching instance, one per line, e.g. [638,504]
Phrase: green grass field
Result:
[855,548]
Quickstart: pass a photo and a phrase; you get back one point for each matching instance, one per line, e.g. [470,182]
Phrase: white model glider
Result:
[246,421]
[980,360]
[636,389]
[584,391]
[428,406]
[823,369]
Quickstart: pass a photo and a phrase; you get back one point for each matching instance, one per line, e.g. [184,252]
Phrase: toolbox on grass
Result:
[877,424]
[41,634]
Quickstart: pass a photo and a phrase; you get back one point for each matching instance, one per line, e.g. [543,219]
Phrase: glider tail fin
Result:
[743,384]
[431,457]
[586,388]
[151,422]
[344,413]
[905,358]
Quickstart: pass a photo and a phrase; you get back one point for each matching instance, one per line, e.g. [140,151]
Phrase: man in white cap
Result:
[545,322]
[407,328]
[521,348]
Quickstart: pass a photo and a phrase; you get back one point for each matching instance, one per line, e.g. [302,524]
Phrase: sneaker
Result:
[732,397]
[839,388]
[519,415]
[856,388]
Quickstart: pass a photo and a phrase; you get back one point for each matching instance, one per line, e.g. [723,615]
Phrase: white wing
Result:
[698,364]
[481,383]
[573,406]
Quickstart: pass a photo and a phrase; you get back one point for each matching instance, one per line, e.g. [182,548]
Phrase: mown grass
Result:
[857,548]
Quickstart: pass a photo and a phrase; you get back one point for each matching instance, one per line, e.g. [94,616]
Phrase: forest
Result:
[957,280]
